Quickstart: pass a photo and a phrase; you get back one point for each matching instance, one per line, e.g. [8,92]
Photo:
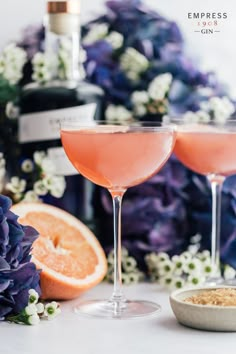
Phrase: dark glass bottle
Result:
[66,96]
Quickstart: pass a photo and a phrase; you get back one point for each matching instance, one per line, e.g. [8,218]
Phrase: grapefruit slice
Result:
[67,252]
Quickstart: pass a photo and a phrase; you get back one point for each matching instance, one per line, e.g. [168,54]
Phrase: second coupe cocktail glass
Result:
[117,157]
[209,149]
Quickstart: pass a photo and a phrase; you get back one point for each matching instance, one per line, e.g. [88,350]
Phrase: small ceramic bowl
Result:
[205,317]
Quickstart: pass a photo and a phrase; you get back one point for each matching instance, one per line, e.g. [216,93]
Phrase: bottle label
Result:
[63,165]
[43,126]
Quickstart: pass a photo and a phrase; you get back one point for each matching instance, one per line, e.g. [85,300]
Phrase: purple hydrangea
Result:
[161,42]
[17,273]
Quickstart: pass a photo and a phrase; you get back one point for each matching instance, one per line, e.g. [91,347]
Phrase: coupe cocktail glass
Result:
[209,149]
[117,157]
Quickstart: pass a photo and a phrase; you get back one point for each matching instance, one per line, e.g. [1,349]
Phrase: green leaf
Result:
[8,92]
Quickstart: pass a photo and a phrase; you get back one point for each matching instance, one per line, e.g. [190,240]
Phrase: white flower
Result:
[42,68]
[229,273]
[190,117]
[48,166]
[139,97]
[179,263]
[162,257]
[12,61]
[196,239]
[140,110]
[41,76]
[165,267]
[38,157]
[52,310]
[27,166]
[40,188]
[129,264]
[40,308]
[204,256]
[31,197]
[178,283]
[134,277]
[117,114]
[33,296]
[31,309]
[64,62]
[124,252]
[193,266]
[12,111]
[187,256]
[97,32]
[33,320]
[203,117]
[195,280]
[193,249]
[115,39]
[133,63]
[39,59]
[166,281]
[55,184]
[160,86]
[133,75]
[166,120]
[151,259]
[16,185]
[221,108]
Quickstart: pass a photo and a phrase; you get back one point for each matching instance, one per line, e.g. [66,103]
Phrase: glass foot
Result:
[120,310]
[217,280]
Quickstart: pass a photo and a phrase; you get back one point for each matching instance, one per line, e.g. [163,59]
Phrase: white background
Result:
[214,52]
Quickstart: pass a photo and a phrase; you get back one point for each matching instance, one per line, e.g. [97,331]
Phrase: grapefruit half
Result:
[67,252]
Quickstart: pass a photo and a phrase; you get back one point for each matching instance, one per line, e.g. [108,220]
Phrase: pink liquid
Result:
[207,152]
[117,159]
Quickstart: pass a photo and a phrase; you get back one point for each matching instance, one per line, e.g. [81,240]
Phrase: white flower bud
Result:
[12,111]
[229,273]
[38,157]
[39,188]
[33,320]
[16,185]
[97,32]
[33,296]
[31,197]
[139,97]
[40,308]
[115,39]
[31,309]
[27,166]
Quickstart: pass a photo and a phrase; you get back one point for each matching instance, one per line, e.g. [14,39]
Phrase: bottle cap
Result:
[59,7]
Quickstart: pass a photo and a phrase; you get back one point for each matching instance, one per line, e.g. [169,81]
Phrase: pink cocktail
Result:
[209,149]
[118,157]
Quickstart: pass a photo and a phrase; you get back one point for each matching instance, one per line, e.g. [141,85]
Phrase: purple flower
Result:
[17,273]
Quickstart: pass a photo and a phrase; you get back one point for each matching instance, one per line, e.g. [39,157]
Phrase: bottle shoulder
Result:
[58,95]
[62,86]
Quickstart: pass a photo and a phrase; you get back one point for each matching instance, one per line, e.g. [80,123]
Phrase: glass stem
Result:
[216,189]
[117,295]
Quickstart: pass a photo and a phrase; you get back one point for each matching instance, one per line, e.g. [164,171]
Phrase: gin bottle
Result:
[65,96]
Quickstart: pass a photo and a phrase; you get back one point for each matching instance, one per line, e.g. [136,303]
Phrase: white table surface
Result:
[73,334]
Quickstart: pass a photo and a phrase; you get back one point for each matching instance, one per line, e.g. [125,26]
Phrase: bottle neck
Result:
[62,46]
